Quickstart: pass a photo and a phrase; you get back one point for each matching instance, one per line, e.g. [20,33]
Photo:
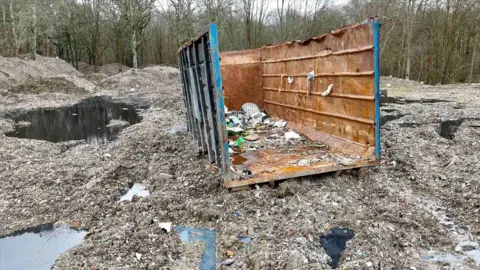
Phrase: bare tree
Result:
[137,15]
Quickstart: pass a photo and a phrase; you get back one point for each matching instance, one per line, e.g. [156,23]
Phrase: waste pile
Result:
[251,129]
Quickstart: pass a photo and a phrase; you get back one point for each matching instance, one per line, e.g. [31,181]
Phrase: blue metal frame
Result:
[222,124]
[376,59]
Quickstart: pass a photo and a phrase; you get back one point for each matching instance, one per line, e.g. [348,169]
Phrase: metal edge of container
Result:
[222,125]
[376,58]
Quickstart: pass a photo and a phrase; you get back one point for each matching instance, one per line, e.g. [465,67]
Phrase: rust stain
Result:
[241,77]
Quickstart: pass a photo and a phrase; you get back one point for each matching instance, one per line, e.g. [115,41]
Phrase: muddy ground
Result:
[423,199]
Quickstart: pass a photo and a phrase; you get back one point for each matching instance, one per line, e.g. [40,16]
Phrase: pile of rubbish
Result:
[251,129]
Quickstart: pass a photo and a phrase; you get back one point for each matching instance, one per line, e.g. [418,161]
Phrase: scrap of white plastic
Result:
[327,92]
[291,135]
[235,120]
[167,226]
[226,109]
[235,129]
[290,79]
[280,124]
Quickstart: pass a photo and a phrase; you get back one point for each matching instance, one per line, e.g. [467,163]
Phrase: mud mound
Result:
[16,72]
[146,79]
[95,77]
[112,69]
[108,69]
[45,85]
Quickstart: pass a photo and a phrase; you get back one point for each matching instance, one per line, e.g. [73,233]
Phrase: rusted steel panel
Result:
[345,121]
[241,73]
[344,58]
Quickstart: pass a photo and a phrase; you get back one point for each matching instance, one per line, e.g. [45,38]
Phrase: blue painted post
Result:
[222,125]
[376,59]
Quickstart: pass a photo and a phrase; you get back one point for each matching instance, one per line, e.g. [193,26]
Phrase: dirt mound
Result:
[44,85]
[112,68]
[15,72]
[146,79]
[108,69]
[95,77]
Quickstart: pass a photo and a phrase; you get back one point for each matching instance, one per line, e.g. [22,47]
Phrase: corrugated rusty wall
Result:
[242,78]
[344,58]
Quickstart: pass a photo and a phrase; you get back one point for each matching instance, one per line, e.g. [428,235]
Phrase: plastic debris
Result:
[235,120]
[165,226]
[138,255]
[227,262]
[229,253]
[310,77]
[280,124]
[234,130]
[290,79]
[239,141]
[292,135]
[327,92]
[250,109]
[225,109]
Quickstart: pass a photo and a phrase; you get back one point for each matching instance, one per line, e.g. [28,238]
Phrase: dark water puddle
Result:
[389,117]
[396,100]
[89,120]
[449,128]
[209,237]
[37,247]
[334,243]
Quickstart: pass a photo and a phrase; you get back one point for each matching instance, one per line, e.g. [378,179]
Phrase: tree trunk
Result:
[4,23]
[33,42]
[14,33]
[410,19]
[470,79]
[134,49]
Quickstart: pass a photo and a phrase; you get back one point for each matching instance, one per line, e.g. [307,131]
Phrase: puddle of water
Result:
[442,257]
[475,255]
[37,247]
[334,243]
[136,190]
[87,120]
[245,239]
[209,237]
[449,128]
[389,117]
